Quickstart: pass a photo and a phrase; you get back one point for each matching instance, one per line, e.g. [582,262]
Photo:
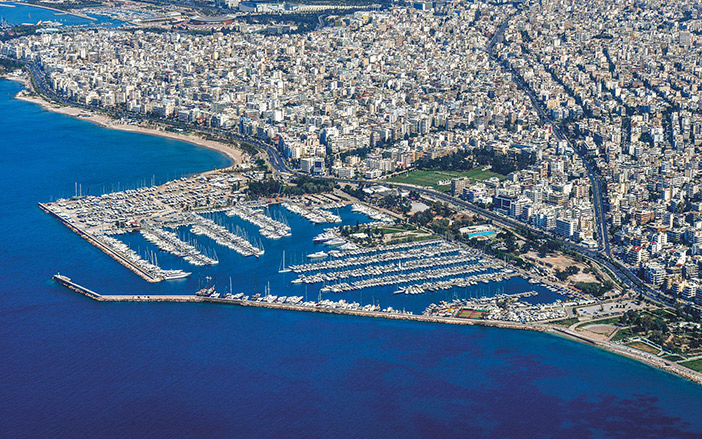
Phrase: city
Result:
[525,165]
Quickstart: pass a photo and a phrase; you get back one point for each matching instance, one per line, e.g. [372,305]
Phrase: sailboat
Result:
[283,268]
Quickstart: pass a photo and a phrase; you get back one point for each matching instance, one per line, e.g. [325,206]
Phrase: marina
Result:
[315,215]
[155,230]
[98,219]
[204,225]
[292,303]
[169,242]
[255,214]
[224,237]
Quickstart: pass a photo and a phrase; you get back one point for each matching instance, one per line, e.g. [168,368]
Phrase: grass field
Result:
[566,322]
[693,364]
[643,347]
[431,178]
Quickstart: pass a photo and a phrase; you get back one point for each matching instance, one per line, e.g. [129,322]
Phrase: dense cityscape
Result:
[391,89]
[526,165]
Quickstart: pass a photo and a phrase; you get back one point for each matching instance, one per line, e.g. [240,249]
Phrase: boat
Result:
[317,255]
[205,291]
[175,274]
[335,242]
[323,237]
[283,268]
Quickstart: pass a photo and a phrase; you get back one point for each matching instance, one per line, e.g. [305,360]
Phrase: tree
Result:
[657,337]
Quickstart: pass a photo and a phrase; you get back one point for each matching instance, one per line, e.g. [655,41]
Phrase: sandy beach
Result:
[230,150]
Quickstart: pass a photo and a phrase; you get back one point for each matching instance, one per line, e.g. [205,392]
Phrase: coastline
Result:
[233,153]
[633,354]
[75,14]
[613,348]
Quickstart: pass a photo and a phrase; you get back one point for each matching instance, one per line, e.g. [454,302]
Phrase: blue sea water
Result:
[78,368]
[18,13]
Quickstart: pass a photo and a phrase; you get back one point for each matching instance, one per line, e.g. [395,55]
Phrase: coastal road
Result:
[280,166]
[274,157]
[624,275]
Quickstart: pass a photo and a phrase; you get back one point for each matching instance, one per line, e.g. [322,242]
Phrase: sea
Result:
[20,14]
[73,367]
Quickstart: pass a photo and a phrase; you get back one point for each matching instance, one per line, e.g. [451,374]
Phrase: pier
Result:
[223,236]
[97,218]
[107,250]
[268,227]
[68,283]
[386,314]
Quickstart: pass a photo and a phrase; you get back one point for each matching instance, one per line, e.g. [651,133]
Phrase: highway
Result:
[595,180]
[623,274]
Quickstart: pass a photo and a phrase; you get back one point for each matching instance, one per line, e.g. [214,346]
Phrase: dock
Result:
[117,256]
[68,283]
[108,251]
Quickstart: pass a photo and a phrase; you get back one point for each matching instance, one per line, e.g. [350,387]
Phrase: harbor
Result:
[293,303]
[202,227]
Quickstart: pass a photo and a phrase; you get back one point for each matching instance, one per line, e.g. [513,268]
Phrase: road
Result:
[595,180]
[622,273]
[274,157]
[280,166]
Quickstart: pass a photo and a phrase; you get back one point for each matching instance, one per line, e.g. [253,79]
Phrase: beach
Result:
[230,150]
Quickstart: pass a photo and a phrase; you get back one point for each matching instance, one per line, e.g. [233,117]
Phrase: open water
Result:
[72,367]
[18,14]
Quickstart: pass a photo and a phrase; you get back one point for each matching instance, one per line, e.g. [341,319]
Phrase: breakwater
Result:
[107,250]
[392,314]
[545,327]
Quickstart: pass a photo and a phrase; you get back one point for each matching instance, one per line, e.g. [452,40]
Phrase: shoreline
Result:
[232,152]
[75,14]
[235,155]
[642,357]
